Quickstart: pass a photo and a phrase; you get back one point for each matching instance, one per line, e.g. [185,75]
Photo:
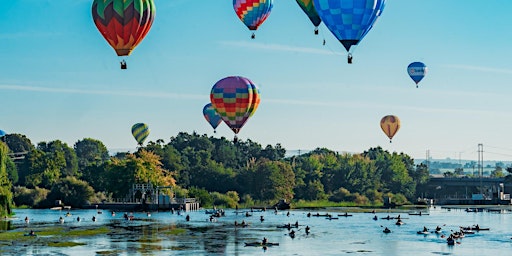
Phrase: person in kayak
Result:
[264,241]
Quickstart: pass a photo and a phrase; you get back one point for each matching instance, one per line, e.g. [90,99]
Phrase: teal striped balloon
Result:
[140,132]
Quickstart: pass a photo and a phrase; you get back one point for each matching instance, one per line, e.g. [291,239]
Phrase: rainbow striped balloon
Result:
[252,12]
[235,99]
[140,132]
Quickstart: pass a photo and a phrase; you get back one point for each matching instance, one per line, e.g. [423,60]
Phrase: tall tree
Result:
[6,202]
[90,152]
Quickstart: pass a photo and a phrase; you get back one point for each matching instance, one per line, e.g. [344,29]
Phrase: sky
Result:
[59,79]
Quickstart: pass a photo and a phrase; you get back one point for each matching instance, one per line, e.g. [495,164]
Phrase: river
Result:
[358,234]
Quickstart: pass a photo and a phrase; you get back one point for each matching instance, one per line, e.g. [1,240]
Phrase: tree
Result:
[72,191]
[6,198]
[90,152]
[269,180]
[143,167]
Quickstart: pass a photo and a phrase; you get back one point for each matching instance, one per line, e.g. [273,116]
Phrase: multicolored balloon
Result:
[349,20]
[235,99]
[140,132]
[417,70]
[253,12]
[390,125]
[309,9]
[123,23]
[211,116]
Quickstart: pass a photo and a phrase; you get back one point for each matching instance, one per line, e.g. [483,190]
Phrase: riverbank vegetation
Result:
[215,170]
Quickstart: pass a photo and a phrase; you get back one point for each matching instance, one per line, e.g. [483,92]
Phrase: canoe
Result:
[419,214]
[320,215]
[474,228]
[261,244]
[331,218]
[345,215]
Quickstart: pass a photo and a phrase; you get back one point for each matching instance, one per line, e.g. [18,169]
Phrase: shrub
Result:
[29,197]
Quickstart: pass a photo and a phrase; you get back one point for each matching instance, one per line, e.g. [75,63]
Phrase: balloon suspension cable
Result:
[123,64]
[349,58]
[253,36]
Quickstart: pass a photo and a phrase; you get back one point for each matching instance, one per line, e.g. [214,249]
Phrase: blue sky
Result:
[59,79]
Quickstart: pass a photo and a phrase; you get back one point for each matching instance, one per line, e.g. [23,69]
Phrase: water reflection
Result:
[164,233]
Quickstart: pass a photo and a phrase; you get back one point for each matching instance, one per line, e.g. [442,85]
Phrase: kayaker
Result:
[438,228]
[93,218]
[32,233]
[297,224]
[386,230]
[425,229]
[27,220]
[309,214]
[307,229]
[264,241]
[243,223]
[262,218]
[187,218]
[375,217]
[292,233]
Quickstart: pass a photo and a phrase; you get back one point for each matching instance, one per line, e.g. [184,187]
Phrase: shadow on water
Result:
[5,225]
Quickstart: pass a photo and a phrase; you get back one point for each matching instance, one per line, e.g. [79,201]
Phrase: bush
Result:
[204,197]
[73,192]
[29,197]
[247,200]
[223,200]
[340,195]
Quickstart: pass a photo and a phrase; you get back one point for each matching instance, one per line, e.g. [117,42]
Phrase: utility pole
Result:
[480,163]
[428,160]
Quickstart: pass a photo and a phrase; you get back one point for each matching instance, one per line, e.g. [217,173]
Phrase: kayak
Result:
[261,244]
[423,232]
[345,215]
[332,218]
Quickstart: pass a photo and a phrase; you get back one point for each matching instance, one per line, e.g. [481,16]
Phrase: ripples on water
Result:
[164,233]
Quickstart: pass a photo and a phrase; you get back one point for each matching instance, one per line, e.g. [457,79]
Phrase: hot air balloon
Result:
[252,12]
[211,116]
[390,124]
[235,99]
[308,8]
[123,23]
[417,70]
[140,132]
[349,20]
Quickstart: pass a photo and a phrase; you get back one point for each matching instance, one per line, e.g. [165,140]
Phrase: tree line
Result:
[215,170]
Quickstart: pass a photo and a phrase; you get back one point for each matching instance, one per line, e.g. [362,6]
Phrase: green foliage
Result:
[72,192]
[90,152]
[6,197]
[202,194]
[226,200]
[29,197]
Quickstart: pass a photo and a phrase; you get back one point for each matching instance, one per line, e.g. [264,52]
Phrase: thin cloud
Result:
[101,92]
[165,95]
[277,47]
[482,69]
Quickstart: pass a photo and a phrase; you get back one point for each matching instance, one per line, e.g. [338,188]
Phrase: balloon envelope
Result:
[390,125]
[211,116]
[123,23]
[417,70]
[140,132]
[309,9]
[252,12]
[349,20]
[235,99]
